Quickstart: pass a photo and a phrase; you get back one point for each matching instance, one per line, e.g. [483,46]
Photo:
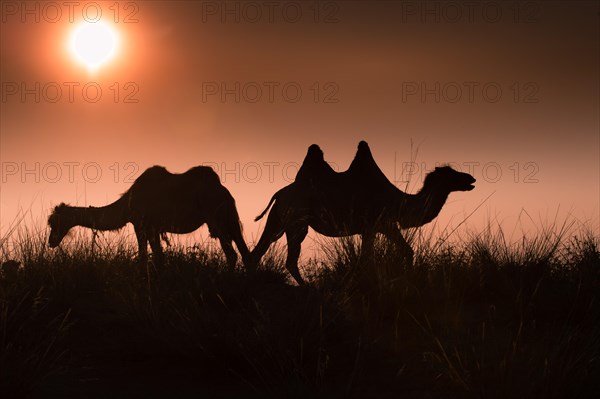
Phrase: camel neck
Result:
[109,217]
[422,207]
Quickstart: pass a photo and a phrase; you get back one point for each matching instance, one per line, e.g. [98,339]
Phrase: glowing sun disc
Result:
[93,44]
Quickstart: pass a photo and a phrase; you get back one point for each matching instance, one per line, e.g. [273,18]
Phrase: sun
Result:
[93,44]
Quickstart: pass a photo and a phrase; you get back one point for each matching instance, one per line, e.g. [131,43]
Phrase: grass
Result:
[476,318]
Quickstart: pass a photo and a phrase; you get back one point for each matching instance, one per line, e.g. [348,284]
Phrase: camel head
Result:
[446,179]
[60,223]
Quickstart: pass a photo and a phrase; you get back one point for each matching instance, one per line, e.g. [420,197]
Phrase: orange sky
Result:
[361,68]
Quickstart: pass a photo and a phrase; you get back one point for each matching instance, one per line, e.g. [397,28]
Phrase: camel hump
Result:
[158,177]
[314,152]
[314,167]
[156,170]
[205,173]
[152,174]
[365,170]
[363,160]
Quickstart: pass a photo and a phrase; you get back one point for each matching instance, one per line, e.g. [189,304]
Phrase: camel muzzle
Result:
[470,185]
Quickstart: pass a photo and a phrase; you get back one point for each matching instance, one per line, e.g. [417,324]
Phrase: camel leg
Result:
[294,240]
[273,231]
[221,229]
[246,256]
[240,243]
[395,236]
[230,253]
[142,245]
[157,251]
[367,249]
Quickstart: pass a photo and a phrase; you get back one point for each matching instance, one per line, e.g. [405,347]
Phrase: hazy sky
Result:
[506,90]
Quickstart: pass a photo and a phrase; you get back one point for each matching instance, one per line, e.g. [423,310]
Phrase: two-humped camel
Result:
[159,202]
[360,200]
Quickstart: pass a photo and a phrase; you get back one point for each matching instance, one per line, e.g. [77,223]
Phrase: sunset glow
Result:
[362,199]
[94,44]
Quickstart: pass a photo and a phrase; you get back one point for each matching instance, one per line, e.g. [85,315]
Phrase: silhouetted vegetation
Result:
[479,319]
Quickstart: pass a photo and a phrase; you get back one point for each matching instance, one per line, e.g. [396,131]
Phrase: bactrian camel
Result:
[159,202]
[360,200]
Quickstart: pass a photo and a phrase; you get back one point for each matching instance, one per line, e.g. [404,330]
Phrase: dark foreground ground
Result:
[481,321]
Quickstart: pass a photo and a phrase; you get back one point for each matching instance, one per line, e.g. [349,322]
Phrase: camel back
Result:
[156,174]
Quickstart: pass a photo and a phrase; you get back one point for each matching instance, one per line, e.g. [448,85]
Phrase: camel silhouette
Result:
[360,200]
[159,202]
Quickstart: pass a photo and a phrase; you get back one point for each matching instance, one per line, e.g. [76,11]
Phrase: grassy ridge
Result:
[479,319]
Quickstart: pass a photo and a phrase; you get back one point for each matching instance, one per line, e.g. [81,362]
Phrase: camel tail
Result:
[256,219]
